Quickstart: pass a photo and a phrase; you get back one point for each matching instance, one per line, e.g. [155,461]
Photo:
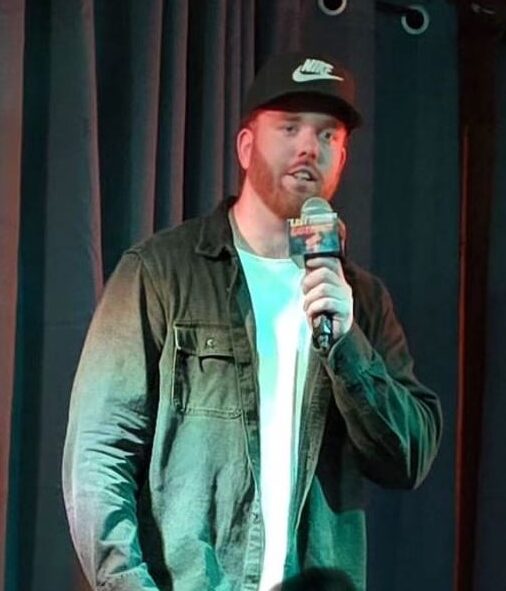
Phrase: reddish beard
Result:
[280,201]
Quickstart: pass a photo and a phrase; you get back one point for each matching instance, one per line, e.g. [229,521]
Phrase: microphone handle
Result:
[322,323]
[322,332]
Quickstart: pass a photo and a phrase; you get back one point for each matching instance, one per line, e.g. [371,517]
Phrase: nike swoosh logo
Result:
[299,76]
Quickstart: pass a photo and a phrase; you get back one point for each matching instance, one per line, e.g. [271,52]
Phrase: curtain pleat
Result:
[415,240]
[285,28]
[129,41]
[146,36]
[172,116]
[237,56]
[11,110]
[62,274]
[204,139]
[490,566]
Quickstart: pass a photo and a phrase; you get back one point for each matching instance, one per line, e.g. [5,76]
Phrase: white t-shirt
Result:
[282,341]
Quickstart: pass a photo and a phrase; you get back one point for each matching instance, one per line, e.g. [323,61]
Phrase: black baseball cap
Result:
[307,74]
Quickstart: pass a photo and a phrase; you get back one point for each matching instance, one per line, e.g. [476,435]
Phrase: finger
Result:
[342,306]
[332,263]
[321,275]
[323,290]
[325,305]
[340,270]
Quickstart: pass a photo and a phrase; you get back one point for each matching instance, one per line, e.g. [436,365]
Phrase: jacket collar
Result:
[216,236]
[215,232]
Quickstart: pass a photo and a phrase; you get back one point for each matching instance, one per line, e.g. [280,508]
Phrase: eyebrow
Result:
[329,120]
[283,116]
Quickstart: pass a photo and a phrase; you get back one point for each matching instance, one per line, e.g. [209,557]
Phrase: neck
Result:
[263,231]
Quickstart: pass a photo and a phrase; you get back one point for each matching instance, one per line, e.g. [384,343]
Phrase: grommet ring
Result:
[416,21]
[332,7]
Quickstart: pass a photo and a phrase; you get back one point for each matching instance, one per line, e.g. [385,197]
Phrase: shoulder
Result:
[206,235]
[179,238]
[168,247]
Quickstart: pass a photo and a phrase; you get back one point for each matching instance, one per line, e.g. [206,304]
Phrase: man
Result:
[211,445]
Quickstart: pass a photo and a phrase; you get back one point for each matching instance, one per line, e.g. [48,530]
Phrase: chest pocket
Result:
[204,371]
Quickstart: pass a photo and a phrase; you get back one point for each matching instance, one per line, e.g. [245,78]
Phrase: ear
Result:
[343,157]
[244,145]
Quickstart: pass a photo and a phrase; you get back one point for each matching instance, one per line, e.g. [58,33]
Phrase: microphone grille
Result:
[315,206]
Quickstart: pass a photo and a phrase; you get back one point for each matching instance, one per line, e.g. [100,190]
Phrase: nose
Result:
[308,145]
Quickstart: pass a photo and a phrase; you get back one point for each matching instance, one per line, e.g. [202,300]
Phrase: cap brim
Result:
[312,101]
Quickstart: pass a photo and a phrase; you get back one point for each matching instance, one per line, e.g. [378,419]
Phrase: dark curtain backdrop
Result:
[490,572]
[117,118]
[415,237]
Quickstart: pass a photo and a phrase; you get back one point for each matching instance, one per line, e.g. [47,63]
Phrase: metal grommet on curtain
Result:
[332,7]
[416,20]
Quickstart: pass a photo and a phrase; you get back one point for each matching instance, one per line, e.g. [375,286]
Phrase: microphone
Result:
[316,233]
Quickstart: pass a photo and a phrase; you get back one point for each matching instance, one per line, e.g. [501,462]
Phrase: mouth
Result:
[304,174]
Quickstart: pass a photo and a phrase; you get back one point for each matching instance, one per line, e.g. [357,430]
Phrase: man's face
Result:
[291,155]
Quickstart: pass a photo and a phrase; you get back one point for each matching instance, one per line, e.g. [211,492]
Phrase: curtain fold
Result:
[172,116]
[12,15]
[490,566]
[128,66]
[415,238]
[61,274]
[206,75]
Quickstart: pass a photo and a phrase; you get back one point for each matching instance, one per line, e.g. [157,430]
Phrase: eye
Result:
[289,128]
[328,135]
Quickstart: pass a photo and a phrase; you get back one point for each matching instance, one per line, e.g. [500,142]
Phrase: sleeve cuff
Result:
[351,355]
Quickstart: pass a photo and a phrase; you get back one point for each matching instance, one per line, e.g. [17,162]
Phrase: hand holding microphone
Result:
[328,297]
[328,301]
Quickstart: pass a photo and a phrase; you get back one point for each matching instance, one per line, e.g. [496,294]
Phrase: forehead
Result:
[304,105]
[273,116]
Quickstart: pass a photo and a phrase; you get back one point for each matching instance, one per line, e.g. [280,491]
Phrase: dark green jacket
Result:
[162,455]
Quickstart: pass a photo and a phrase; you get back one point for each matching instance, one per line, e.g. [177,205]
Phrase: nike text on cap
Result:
[306,74]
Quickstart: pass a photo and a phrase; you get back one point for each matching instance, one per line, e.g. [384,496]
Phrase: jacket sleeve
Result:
[393,421]
[110,427]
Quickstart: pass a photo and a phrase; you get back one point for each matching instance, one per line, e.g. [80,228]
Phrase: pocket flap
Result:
[204,340]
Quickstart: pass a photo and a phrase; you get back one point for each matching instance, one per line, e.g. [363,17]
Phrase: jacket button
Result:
[210,343]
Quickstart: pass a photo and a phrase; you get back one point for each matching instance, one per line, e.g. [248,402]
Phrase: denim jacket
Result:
[162,455]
